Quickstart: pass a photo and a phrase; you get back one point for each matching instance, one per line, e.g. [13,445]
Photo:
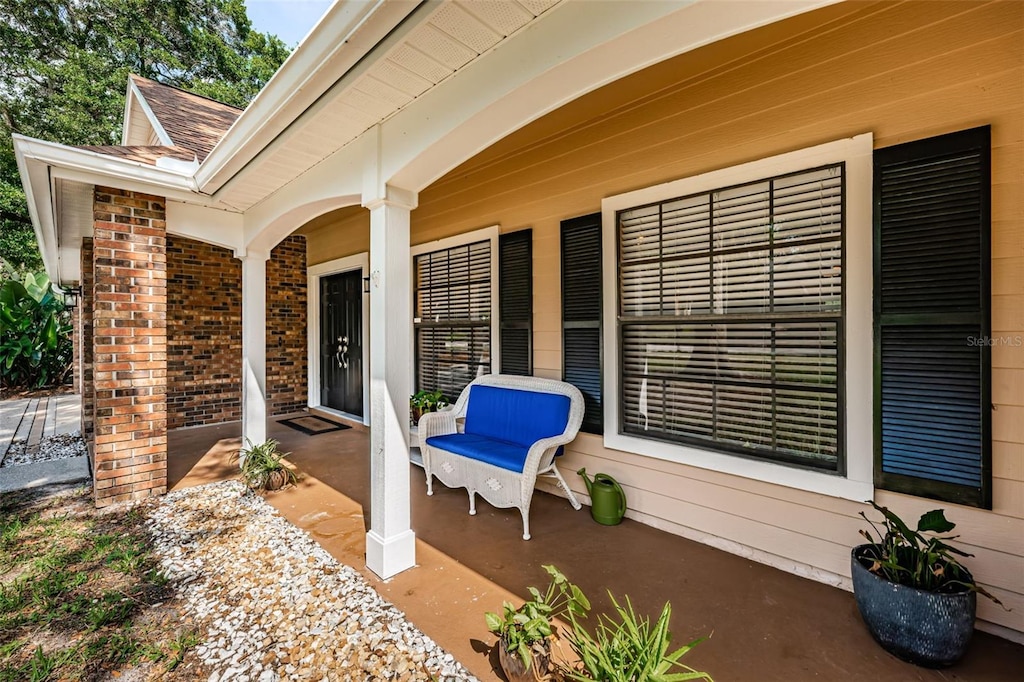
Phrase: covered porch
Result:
[759,618]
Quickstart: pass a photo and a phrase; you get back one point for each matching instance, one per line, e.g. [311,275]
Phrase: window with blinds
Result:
[731,316]
[933,433]
[581,314]
[452,317]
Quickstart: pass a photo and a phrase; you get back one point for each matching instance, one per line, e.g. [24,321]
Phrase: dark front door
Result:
[341,337]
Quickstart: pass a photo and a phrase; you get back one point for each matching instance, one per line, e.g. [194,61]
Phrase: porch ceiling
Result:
[435,41]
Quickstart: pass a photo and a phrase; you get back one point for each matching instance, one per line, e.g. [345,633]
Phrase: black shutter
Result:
[581,313]
[515,301]
[933,434]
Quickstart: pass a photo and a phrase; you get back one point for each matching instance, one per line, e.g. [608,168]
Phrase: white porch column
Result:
[390,544]
[254,346]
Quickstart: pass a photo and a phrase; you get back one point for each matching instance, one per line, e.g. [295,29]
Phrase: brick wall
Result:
[130,345]
[85,364]
[204,334]
[286,327]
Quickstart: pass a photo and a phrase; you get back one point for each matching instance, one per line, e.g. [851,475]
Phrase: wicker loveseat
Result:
[513,428]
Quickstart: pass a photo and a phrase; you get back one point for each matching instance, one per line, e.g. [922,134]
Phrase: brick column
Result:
[86,348]
[130,345]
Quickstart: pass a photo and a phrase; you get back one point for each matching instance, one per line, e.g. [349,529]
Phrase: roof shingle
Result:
[193,122]
[142,153]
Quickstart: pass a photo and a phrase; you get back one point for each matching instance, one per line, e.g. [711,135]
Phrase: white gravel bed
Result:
[274,604]
[61,446]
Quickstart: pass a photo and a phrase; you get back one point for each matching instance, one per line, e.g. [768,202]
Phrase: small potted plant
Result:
[525,633]
[422,402]
[914,595]
[627,649]
[262,466]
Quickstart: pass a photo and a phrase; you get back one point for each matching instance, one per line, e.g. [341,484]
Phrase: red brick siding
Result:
[130,345]
[204,334]
[286,327]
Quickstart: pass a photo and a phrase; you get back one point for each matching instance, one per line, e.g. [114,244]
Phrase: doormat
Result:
[312,425]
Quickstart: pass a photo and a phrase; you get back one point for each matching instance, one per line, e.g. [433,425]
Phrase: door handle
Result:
[342,355]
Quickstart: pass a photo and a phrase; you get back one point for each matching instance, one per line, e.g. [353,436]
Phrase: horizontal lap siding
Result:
[901,71]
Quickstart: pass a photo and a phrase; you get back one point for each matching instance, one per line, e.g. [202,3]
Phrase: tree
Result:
[64,67]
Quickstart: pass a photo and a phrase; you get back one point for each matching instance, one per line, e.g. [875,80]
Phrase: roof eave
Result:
[41,162]
[342,37]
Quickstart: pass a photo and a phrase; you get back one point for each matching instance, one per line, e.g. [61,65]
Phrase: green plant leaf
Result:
[494,622]
[935,522]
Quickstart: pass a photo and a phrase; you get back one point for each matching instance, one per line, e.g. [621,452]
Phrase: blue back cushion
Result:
[515,416]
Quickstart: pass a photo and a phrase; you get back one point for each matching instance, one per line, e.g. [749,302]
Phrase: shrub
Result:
[35,332]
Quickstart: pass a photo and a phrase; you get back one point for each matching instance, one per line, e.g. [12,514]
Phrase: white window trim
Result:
[483,234]
[857,484]
[360,262]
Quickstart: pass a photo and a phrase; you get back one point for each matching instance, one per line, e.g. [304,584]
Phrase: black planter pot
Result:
[924,628]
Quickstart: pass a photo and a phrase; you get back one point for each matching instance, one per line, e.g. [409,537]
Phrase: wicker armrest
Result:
[436,424]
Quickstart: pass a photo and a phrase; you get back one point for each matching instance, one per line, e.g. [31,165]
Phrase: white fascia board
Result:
[83,165]
[35,179]
[126,117]
[134,94]
[574,49]
[343,37]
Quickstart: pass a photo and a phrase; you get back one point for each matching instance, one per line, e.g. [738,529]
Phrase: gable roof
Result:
[193,122]
[148,154]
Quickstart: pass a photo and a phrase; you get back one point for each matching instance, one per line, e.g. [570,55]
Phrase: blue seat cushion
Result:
[511,456]
[515,416]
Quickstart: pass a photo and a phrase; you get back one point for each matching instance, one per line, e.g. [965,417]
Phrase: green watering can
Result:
[608,502]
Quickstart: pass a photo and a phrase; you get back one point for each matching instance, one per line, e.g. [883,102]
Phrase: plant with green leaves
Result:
[35,332]
[526,631]
[262,465]
[424,401]
[920,558]
[628,649]
[428,401]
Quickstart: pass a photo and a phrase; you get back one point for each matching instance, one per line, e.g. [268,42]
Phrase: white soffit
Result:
[447,38]
[74,219]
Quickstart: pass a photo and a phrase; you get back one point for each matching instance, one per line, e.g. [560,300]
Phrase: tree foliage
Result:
[35,332]
[64,67]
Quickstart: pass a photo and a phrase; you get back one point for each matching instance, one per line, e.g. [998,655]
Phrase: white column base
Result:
[388,557]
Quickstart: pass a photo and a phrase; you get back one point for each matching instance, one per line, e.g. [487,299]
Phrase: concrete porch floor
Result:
[765,624]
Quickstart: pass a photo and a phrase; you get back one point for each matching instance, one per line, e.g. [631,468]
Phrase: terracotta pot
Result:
[513,666]
[276,480]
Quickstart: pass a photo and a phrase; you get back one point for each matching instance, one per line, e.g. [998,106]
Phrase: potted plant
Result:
[422,402]
[262,466]
[916,598]
[627,649]
[525,633]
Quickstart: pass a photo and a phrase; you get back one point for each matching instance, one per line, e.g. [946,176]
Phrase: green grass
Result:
[76,588]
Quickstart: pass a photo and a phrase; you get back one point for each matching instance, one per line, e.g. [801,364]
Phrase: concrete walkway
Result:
[32,420]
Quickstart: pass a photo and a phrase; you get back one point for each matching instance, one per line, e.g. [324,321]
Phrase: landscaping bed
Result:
[205,583]
[273,603]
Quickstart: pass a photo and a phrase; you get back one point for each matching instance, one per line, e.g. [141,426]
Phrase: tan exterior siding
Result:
[900,71]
